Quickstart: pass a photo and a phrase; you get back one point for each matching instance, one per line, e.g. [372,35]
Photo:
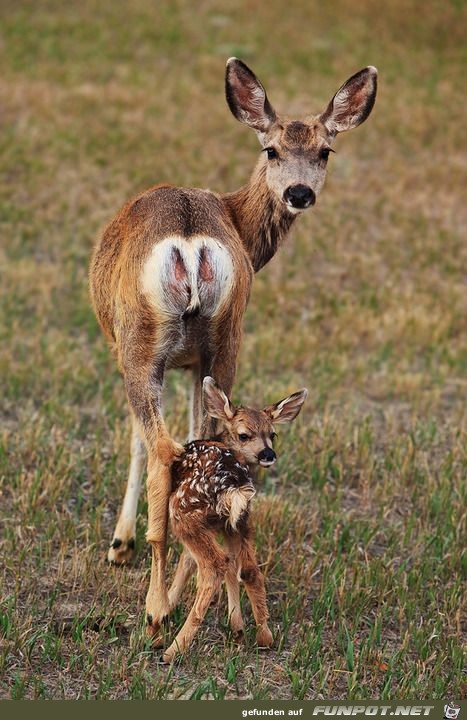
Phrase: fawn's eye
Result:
[324,153]
[273,436]
[271,153]
[243,437]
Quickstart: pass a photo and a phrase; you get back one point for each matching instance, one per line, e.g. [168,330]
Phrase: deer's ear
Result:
[352,103]
[247,98]
[216,402]
[287,409]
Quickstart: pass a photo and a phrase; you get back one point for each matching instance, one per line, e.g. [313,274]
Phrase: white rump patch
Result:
[187,275]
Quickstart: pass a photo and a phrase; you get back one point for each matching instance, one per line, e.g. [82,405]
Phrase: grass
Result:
[361,526]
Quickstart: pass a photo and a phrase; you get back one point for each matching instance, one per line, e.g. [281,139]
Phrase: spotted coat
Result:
[205,481]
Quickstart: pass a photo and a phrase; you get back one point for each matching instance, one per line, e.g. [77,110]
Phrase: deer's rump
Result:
[186,277]
[175,252]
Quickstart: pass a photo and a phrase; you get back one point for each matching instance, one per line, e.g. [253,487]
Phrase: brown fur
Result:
[261,221]
[212,487]
[191,317]
[139,335]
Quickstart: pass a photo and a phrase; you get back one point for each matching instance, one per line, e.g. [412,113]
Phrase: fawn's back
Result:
[211,487]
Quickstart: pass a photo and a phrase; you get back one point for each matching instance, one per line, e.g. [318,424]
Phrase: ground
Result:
[361,525]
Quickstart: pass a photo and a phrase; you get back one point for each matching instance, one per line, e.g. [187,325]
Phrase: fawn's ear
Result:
[352,103]
[216,402]
[247,98]
[287,409]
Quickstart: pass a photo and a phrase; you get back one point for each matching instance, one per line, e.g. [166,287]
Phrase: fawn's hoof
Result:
[121,551]
[264,638]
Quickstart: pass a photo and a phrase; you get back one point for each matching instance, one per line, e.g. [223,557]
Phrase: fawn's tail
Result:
[234,502]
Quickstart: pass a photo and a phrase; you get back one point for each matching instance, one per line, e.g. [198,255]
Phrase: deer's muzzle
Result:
[299,196]
[267,457]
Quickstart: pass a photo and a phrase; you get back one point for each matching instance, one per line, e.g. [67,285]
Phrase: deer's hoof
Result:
[156,630]
[121,551]
[237,634]
[169,656]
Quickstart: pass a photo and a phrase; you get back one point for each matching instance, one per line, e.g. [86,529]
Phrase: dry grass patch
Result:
[360,526]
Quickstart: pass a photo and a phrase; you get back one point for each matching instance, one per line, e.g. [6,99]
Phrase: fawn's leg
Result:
[233,586]
[123,543]
[212,565]
[185,569]
[253,579]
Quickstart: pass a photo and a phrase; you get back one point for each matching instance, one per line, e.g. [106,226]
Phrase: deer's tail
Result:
[234,503]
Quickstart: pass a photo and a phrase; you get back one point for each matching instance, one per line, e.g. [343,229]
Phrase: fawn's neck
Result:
[262,221]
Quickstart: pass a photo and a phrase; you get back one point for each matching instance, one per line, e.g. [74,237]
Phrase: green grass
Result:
[362,524]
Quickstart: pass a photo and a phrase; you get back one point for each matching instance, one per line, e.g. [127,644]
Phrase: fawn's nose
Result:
[300,196]
[267,457]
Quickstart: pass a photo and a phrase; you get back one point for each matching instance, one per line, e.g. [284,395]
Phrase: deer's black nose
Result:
[300,196]
[266,457]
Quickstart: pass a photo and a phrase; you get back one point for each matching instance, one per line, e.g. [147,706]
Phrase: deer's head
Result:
[296,151]
[246,431]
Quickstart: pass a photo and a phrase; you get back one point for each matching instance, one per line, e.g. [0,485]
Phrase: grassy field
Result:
[362,524]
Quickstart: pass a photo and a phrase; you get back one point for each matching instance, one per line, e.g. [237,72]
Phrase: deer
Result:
[170,280]
[212,488]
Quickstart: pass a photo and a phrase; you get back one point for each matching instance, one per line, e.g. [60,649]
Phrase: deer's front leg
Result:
[144,389]
[196,403]
[221,363]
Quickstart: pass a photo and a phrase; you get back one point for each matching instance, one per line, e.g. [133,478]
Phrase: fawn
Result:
[212,487]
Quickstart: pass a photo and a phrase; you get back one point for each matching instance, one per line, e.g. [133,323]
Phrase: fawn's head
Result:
[247,431]
[296,151]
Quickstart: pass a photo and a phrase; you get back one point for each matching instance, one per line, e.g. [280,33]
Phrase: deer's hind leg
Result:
[185,569]
[253,580]
[123,544]
[143,370]
[232,585]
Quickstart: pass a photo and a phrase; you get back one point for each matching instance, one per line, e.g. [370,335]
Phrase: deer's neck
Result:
[261,220]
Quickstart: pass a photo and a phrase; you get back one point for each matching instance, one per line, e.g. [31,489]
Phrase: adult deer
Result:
[171,276]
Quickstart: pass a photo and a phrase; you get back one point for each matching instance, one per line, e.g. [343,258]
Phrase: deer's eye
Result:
[324,153]
[271,153]
[244,437]
[273,436]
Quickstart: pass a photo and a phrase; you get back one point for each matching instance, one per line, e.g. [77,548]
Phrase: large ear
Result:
[216,402]
[247,98]
[352,103]
[287,410]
